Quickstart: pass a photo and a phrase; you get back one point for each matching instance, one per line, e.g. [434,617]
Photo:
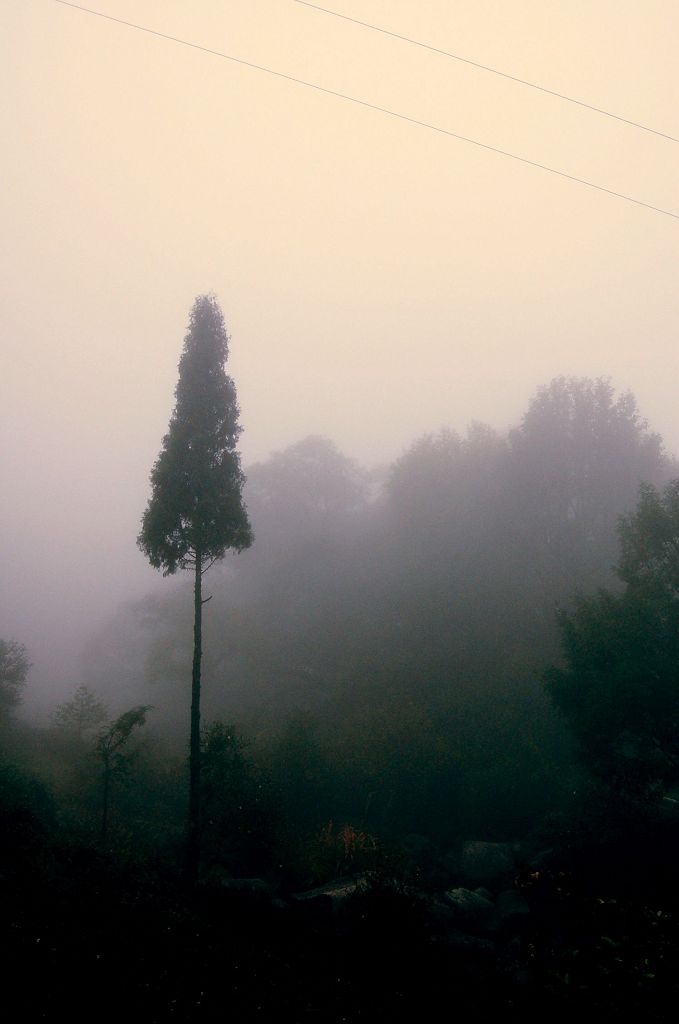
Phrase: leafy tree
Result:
[306,493]
[108,748]
[577,461]
[302,773]
[237,810]
[445,483]
[619,689]
[311,477]
[196,513]
[649,542]
[80,715]
[14,666]
[425,613]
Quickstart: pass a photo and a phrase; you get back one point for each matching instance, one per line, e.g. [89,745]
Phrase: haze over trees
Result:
[14,667]
[82,714]
[412,612]
[418,757]
[375,709]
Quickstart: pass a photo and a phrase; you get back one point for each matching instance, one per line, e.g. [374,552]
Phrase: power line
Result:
[485,67]
[369,106]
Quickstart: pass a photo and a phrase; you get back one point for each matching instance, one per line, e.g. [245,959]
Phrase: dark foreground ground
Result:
[595,929]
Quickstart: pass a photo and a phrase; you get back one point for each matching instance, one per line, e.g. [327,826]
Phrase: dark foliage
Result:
[195,506]
[618,689]
[238,813]
[405,617]
[196,512]
[381,650]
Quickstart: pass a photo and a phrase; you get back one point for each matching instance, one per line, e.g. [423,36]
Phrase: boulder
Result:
[487,863]
[511,910]
[470,911]
[332,895]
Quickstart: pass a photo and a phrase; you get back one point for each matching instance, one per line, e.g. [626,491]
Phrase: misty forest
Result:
[339,530]
[398,735]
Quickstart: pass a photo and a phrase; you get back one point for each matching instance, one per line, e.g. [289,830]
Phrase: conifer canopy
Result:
[196,512]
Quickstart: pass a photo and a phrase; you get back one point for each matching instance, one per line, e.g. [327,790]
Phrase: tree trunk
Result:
[193,836]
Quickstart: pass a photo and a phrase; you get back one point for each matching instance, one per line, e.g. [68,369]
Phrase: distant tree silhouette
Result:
[80,715]
[14,666]
[196,513]
[307,490]
[577,460]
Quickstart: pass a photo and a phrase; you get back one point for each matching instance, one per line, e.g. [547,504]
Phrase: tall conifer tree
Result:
[196,512]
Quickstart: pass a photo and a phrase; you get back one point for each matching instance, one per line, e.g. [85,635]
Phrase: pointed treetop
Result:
[196,509]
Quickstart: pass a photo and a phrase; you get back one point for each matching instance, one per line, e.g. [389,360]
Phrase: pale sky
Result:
[379,279]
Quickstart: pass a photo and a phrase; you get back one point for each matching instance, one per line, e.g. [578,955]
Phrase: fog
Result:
[416,744]
[379,280]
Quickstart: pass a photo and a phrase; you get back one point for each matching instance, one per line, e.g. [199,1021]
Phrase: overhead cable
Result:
[486,67]
[369,106]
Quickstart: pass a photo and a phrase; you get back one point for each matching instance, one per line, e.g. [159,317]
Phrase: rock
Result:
[487,863]
[419,847]
[542,861]
[333,895]
[453,923]
[510,911]
[451,862]
[246,885]
[470,911]
[462,942]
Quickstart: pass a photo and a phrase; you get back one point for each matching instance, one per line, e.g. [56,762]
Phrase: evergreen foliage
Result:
[196,510]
